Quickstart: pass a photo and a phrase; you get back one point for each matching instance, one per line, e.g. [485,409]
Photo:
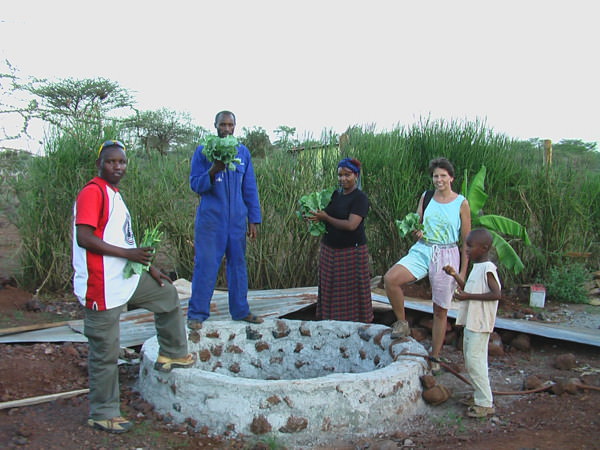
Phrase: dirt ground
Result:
[545,420]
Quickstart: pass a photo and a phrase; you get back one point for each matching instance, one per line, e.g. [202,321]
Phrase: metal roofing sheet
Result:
[138,325]
[549,330]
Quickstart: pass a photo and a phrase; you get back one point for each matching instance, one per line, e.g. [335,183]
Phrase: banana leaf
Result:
[502,225]
[475,193]
[496,225]
[506,254]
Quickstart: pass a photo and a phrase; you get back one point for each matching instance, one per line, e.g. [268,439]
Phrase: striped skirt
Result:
[344,284]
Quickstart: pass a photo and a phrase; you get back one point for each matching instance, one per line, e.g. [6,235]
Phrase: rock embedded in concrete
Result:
[252,334]
[294,424]
[261,346]
[260,425]
[204,355]
[282,330]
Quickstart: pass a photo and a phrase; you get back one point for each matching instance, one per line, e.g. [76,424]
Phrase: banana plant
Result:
[496,225]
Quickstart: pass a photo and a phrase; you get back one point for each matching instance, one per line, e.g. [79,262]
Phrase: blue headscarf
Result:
[348,164]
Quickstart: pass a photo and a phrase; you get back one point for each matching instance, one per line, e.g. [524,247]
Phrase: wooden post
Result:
[547,152]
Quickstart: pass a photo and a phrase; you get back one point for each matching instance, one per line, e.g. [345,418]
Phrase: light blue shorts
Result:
[429,260]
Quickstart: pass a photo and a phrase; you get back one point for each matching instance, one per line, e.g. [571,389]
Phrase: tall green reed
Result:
[156,189]
[559,205]
[285,254]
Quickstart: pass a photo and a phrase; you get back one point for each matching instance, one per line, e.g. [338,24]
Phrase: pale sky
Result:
[527,68]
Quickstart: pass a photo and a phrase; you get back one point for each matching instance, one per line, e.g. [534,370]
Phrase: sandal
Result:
[251,318]
[114,425]
[164,364]
[480,411]
[194,324]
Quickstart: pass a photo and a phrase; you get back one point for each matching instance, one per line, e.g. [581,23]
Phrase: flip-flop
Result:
[114,425]
[251,318]
[165,364]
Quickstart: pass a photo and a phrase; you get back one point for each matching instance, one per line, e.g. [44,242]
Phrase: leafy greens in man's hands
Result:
[221,149]
[151,239]
[315,201]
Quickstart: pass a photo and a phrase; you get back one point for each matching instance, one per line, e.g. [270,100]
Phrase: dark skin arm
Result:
[143,255]
[460,294]
[349,224]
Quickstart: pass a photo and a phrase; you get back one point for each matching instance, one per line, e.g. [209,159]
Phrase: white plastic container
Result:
[537,295]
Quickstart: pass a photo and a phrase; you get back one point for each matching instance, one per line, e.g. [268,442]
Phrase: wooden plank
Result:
[41,399]
[37,326]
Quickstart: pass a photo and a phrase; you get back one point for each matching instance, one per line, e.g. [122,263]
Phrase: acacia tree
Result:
[163,128]
[76,107]
[15,108]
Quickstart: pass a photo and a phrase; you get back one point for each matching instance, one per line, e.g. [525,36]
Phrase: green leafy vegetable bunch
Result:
[410,223]
[150,239]
[315,201]
[221,149]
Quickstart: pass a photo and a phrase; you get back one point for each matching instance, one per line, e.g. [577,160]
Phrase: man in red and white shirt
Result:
[103,242]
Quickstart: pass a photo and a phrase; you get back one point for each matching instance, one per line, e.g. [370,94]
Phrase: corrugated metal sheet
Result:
[549,330]
[138,325]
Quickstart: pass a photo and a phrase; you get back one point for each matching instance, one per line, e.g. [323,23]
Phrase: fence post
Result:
[547,152]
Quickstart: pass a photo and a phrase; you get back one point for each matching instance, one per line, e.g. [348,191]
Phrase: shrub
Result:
[566,283]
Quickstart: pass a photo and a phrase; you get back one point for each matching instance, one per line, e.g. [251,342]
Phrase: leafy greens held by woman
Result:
[410,223]
[315,201]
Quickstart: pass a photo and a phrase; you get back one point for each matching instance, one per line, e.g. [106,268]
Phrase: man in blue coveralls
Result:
[229,209]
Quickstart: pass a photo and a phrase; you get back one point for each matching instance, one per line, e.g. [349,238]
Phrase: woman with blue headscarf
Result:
[344,276]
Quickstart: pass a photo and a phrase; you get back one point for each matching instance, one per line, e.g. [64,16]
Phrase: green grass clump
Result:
[566,283]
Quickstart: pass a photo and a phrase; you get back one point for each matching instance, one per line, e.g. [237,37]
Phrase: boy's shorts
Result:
[429,259]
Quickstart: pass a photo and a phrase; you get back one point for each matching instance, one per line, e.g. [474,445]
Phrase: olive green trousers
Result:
[102,331]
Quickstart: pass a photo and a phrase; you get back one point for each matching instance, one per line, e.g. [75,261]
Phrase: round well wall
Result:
[300,381]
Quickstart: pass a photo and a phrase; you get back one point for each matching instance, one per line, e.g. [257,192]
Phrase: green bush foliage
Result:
[566,283]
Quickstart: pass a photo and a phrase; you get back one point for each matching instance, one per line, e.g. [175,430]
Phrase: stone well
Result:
[303,382]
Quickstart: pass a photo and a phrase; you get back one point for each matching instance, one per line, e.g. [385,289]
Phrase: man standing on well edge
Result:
[229,210]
